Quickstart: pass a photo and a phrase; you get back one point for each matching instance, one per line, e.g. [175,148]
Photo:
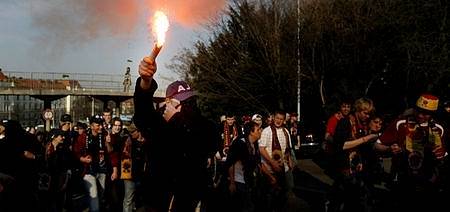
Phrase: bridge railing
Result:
[69,81]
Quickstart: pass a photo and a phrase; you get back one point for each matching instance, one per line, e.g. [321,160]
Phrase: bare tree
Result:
[388,50]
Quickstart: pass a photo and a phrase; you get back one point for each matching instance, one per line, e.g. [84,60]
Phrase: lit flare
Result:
[160,27]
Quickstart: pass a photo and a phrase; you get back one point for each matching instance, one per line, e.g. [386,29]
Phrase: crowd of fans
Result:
[171,158]
[106,166]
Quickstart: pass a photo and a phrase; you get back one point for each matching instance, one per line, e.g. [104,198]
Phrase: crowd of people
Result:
[356,141]
[171,158]
[71,167]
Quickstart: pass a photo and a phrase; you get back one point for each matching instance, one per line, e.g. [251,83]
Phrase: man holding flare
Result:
[180,141]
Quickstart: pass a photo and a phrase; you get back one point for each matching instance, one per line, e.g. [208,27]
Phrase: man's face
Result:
[117,127]
[135,134]
[447,109]
[81,130]
[2,129]
[278,120]
[230,121]
[294,118]
[174,102]
[107,117]
[256,133]
[59,139]
[423,117]
[345,109]
[363,115]
[65,126]
[375,124]
[269,120]
[96,128]
[258,121]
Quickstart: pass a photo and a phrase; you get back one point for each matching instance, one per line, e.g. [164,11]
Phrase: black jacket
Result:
[178,149]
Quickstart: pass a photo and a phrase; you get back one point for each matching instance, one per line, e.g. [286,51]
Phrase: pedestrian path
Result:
[308,166]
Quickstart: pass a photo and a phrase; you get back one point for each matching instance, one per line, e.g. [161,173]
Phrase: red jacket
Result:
[80,149]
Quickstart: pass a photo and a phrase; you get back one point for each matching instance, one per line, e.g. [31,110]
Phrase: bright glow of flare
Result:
[160,27]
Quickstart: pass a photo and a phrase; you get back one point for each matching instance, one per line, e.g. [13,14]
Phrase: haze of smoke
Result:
[77,21]
[188,13]
[74,23]
[68,25]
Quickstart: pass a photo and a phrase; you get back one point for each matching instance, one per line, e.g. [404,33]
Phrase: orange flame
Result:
[160,27]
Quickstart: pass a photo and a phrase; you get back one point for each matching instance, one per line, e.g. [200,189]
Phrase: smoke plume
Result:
[63,22]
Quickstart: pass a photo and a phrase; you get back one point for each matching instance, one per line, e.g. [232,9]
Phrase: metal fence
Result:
[49,80]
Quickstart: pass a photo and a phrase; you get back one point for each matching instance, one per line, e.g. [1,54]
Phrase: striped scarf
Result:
[227,137]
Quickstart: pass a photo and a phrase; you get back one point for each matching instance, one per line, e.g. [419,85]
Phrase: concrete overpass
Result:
[52,86]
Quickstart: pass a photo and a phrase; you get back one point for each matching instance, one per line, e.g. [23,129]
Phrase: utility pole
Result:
[298,62]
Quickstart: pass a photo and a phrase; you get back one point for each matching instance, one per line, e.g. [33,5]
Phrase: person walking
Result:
[133,169]
[244,169]
[90,149]
[276,154]
[57,160]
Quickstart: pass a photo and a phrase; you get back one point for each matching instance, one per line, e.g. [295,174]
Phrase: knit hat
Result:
[96,119]
[55,133]
[179,90]
[427,102]
[81,125]
[66,118]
